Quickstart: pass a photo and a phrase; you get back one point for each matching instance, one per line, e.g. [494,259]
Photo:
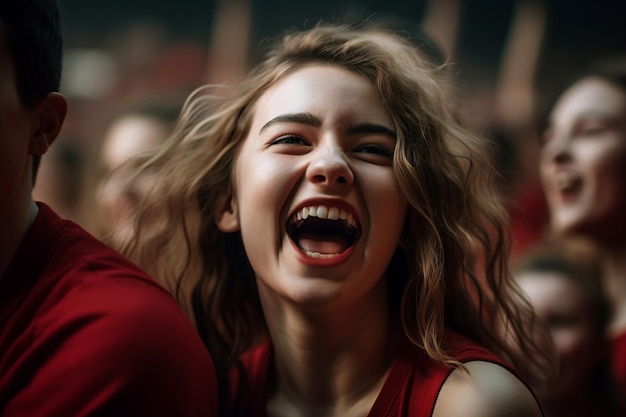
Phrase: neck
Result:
[331,361]
[16,222]
[614,282]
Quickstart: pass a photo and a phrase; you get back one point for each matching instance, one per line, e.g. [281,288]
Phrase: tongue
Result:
[325,244]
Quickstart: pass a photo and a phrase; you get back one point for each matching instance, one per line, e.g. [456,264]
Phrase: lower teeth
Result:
[318,255]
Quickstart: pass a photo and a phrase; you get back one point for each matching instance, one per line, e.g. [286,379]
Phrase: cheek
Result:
[386,205]
[604,160]
[13,153]
[545,176]
[263,186]
[608,171]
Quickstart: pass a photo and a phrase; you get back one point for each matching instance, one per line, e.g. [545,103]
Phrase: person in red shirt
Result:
[583,173]
[344,241]
[83,331]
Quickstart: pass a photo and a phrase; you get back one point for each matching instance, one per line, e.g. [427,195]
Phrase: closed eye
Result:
[289,140]
[289,145]
[594,125]
[376,149]
[592,130]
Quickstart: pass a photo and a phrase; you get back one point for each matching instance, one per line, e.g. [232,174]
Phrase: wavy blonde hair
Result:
[451,271]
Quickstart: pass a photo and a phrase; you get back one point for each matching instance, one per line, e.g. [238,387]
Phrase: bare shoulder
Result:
[485,390]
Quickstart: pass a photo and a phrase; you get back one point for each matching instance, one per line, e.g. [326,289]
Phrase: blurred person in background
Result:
[133,131]
[83,331]
[562,279]
[583,172]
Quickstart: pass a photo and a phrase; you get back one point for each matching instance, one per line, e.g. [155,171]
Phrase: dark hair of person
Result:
[32,31]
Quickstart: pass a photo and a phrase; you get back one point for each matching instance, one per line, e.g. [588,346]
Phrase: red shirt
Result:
[84,332]
[618,344]
[411,388]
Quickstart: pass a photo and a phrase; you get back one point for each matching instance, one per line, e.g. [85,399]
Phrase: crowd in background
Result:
[125,98]
[506,85]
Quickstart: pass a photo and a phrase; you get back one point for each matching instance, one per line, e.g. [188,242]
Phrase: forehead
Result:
[593,96]
[129,135]
[329,91]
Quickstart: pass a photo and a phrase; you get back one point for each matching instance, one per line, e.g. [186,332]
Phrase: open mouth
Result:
[323,231]
[568,187]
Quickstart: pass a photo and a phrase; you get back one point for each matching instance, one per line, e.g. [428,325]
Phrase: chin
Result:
[313,295]
[569,222]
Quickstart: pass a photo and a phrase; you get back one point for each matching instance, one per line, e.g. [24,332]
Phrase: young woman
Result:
[583,170]
[563,281]
[341,237]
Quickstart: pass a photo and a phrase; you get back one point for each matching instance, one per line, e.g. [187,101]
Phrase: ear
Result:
[227,217]
[49,115]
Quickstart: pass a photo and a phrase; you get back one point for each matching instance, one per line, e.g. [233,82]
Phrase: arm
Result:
[485,390]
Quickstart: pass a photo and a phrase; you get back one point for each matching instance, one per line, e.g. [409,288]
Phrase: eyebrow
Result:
[301,118]
[371,128]
[595,114]
[311,120]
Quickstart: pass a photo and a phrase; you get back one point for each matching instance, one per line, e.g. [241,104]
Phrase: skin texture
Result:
[583,161]
[318,164]
[485,390]
[327,318]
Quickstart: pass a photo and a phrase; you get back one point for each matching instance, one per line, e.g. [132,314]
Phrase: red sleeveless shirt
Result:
[411,388]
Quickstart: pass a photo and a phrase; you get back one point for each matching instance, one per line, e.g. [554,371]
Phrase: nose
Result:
[556,150]
[330,167]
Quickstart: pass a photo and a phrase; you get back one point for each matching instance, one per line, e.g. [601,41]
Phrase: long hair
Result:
[451,270]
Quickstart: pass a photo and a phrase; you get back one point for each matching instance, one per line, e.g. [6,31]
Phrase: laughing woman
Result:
[583,172]
[339,240]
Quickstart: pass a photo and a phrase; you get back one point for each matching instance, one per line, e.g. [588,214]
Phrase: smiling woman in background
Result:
[583,171]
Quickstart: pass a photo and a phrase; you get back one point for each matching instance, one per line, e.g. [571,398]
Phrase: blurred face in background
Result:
[116,197]
[562,303]
[583,161]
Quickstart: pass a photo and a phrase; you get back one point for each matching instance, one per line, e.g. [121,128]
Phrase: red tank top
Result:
[411,388]
[618,345]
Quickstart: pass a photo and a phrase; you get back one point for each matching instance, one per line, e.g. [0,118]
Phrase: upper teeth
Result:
[325,212]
